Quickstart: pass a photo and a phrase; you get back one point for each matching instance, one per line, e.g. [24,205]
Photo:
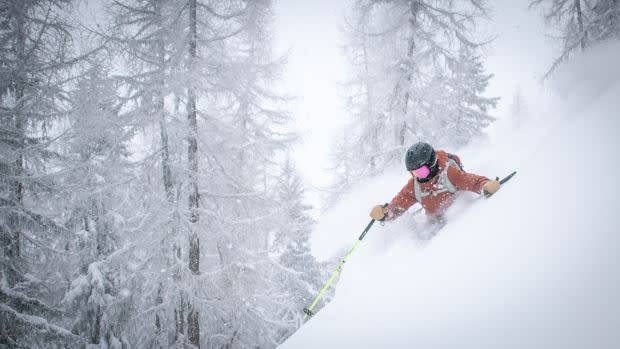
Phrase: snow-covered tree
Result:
[96,185]
[141,184]
[343,164]
[580,23]
[36,59]
[604,22]
[416,74]
[569,16]
[466,86]
[158,39]
[300,271]
[240,190]
[518,108]
[205,70]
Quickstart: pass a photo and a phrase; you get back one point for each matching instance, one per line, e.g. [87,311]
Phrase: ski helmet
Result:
[421,154]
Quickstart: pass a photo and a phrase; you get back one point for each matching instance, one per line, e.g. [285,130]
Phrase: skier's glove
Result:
[379,212]
[490,187]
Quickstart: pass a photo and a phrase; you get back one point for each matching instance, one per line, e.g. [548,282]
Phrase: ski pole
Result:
[507,178]
[308,310]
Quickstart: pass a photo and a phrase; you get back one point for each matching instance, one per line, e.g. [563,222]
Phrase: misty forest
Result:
[150,192]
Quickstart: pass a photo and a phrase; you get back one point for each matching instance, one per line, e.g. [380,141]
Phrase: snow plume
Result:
[533,267]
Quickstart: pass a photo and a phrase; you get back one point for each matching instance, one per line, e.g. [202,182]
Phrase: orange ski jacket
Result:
[435,198]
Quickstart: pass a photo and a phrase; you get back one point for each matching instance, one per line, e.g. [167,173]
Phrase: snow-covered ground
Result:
[536,266]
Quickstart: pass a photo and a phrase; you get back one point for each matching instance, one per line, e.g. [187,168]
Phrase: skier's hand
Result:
[378,212]
[490,187]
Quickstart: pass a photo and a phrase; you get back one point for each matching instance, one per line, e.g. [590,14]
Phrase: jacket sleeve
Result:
[402,201]
[466,181]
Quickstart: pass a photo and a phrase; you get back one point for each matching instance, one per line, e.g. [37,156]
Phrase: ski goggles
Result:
[421,172]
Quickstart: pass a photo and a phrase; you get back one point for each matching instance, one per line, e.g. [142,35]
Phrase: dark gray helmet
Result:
[418,155]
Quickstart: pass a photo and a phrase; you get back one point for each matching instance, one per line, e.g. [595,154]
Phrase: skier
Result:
[436,177]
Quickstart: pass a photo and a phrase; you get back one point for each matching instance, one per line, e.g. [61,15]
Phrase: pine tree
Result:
[569,15]
[142,189]
[580,24]
[468,115]
[36,60]
[343,164]
[518,108]
[96,185]
[148,34]
[301,274]
[252,311]
[204,69]
[604,20]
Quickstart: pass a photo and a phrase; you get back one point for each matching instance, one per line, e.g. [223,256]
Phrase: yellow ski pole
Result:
[308,310]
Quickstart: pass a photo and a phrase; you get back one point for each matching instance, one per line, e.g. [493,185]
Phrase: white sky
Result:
[310,31]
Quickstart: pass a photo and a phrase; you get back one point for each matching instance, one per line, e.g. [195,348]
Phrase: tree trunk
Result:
[163,133]
[193,326]
[160,109]
[369,106]
[192,148]
[158,300]
[17,187]
[579,15]
[414,7]
[96,338]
